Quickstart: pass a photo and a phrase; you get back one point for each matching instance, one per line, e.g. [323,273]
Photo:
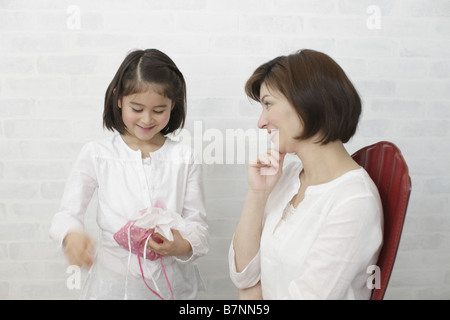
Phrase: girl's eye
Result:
[158,112]
[267,104]
[136,110]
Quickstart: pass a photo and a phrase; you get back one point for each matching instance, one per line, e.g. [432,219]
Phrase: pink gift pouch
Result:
[135,234]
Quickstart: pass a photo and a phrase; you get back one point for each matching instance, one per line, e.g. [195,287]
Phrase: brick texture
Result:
[58,56]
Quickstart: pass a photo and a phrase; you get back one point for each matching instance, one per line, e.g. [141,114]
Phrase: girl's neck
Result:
[145,146]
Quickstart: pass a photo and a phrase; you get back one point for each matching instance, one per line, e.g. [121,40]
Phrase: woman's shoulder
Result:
[356,182]
[356,190]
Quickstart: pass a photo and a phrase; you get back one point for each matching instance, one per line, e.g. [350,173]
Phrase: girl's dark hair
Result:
[319,90]
[140,69]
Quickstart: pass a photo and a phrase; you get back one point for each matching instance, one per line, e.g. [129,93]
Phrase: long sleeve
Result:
[125,184]
[249,276]
[194,214]
[323,247]
[80,187]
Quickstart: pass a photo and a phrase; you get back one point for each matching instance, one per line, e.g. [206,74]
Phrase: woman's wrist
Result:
[258,196]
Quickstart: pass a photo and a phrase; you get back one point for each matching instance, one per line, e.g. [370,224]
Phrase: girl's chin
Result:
[145,136]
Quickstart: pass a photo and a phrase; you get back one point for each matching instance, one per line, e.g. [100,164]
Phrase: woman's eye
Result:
[158,112]
[136,110]
[267,104]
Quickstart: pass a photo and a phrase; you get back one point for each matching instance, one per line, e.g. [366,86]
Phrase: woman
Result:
[311,229]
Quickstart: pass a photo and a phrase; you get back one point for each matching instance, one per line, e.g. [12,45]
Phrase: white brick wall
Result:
[55,66]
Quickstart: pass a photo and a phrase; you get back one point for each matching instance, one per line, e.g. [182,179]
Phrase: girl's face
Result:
[145,114]
[280,119]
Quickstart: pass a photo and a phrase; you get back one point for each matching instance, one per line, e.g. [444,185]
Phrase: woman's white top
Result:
[322,249]
[125,184]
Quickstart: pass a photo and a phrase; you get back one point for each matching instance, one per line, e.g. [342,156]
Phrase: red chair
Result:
[387,168]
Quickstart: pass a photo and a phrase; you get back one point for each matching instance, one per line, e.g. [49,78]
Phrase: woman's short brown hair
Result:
[140,69]
[326,101]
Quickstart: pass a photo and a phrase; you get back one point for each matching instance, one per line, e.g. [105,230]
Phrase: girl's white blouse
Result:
[322,249]
[126,184]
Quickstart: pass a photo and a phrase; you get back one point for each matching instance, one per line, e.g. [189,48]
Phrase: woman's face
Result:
[280,119]
[145,114]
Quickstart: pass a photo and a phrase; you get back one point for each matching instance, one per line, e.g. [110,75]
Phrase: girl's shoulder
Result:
[114,147]
[108,147]
[176,151]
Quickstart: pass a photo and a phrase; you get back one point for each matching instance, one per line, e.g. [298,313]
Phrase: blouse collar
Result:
[138,153]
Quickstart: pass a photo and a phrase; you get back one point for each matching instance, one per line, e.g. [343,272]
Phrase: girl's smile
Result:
[146,129]
[145,115]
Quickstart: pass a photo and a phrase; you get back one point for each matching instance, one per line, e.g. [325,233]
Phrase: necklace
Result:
[289,209]
[287,212]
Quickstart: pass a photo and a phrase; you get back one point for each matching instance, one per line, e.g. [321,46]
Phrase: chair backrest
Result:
[387,168]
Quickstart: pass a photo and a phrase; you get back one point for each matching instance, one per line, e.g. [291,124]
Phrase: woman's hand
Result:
[178,247]
[253,293]
[79,249]
[264,173]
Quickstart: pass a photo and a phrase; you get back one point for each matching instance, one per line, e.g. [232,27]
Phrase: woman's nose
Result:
[262,121]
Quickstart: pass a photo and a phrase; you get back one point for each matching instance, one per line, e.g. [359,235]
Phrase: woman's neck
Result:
[324,163]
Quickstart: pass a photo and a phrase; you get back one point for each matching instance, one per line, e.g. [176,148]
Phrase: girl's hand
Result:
[264,173]
[79,249]
[178,247]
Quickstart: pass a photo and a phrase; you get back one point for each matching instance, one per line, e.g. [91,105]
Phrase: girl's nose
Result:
[146,117]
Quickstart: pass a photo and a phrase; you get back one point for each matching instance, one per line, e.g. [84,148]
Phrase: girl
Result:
[137,168]
[309,230]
